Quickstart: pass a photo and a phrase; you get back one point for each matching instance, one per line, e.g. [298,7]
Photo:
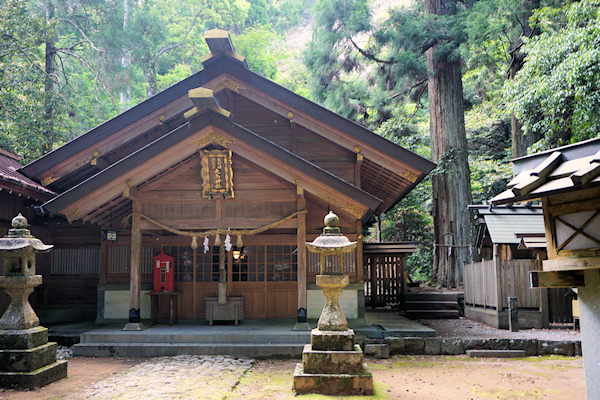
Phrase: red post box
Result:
[164,280]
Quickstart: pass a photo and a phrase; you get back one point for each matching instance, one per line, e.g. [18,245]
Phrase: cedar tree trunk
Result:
[452,182]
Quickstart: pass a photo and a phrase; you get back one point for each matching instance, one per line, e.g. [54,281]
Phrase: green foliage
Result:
[557,93]
[262,49]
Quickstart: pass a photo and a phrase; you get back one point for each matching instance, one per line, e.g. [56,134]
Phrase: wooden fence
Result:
[489,285]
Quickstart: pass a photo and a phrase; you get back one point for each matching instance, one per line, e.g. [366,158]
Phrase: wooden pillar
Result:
[103,262]
[301,259]
[360,274]
[135,269]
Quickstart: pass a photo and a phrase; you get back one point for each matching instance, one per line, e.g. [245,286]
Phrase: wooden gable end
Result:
[287,134]
[95,198]
[308,129]
[175,199]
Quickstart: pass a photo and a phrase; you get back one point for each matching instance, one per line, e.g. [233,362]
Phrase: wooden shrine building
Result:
[223,158]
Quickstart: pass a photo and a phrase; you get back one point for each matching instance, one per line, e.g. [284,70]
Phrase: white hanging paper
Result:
[206,248]
[228,242]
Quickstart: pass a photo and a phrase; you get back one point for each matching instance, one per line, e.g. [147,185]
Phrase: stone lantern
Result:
[27,360]
[333,363]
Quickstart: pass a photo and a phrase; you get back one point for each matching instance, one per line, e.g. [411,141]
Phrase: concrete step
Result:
[431,305]
[433,296]
[250,350]
[432,314]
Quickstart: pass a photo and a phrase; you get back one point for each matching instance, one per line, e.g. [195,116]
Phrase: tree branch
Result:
[22,51]
[169,48]
[82,34]
[370,55]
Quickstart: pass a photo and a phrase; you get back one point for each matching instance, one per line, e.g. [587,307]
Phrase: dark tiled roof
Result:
[562,170]
[11,179]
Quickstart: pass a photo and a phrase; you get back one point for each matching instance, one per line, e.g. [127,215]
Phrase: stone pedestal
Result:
[27,360]
[19,314]
[332,364]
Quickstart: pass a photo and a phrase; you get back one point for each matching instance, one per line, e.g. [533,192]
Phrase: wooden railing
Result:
[488,284]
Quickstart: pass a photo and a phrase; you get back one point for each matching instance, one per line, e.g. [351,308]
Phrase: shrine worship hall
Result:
[197,203]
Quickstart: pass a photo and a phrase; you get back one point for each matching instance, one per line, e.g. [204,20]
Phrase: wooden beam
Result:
[218,41]
[203,98]
[302,256]
[118,138]
[554,279]
[359,160]
[571,264]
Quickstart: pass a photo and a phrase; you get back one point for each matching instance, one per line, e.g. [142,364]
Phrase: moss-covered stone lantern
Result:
[333,363]
[27,360]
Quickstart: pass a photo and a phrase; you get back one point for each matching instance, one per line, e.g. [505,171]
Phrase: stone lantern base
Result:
[333,364]
[27,360]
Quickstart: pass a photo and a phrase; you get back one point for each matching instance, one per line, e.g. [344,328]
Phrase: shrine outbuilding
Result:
[567,180]
[229,174]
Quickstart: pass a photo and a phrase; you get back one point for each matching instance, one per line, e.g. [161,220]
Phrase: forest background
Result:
[528,71]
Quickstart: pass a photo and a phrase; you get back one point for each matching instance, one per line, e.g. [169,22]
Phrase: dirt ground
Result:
[405,377]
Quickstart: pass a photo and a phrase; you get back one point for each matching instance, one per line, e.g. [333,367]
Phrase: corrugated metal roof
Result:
[503,228]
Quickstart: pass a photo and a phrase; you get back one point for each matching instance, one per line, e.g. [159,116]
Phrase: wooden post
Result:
[103,262]
[301,323]
[360,268]
[135,270]
[513,314]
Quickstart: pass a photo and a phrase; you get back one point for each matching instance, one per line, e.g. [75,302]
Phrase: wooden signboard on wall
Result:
[217,174]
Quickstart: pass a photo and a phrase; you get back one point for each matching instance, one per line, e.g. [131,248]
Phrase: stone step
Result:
[329,362]
[333,384]
[433,296]
[432,314]
[250,350]
[431,305]
[496,353]
[292,337]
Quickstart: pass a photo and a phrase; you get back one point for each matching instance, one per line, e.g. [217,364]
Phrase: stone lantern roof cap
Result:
[331,241]
[20,238]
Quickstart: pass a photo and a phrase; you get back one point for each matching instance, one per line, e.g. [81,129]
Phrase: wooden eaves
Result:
[207,119]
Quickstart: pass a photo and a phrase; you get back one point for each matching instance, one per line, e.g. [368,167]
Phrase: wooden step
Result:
[432,314]
[433,296]
[431,305]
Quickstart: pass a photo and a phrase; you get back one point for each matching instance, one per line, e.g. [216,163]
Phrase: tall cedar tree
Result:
[451,181]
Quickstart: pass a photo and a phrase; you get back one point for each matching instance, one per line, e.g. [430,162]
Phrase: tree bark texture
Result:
[49,82]
[451,181]
[125,98]
[521,142]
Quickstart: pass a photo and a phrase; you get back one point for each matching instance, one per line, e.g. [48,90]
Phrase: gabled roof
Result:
[12,180]
[553,172]
[311,175]
[506,224]
[157,116]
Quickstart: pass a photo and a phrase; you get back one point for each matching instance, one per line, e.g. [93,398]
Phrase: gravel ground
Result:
[465,328]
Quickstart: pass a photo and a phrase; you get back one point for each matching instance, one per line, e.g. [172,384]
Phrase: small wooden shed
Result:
[503,272]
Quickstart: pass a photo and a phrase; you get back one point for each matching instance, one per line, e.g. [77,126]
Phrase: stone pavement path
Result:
[174,378]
